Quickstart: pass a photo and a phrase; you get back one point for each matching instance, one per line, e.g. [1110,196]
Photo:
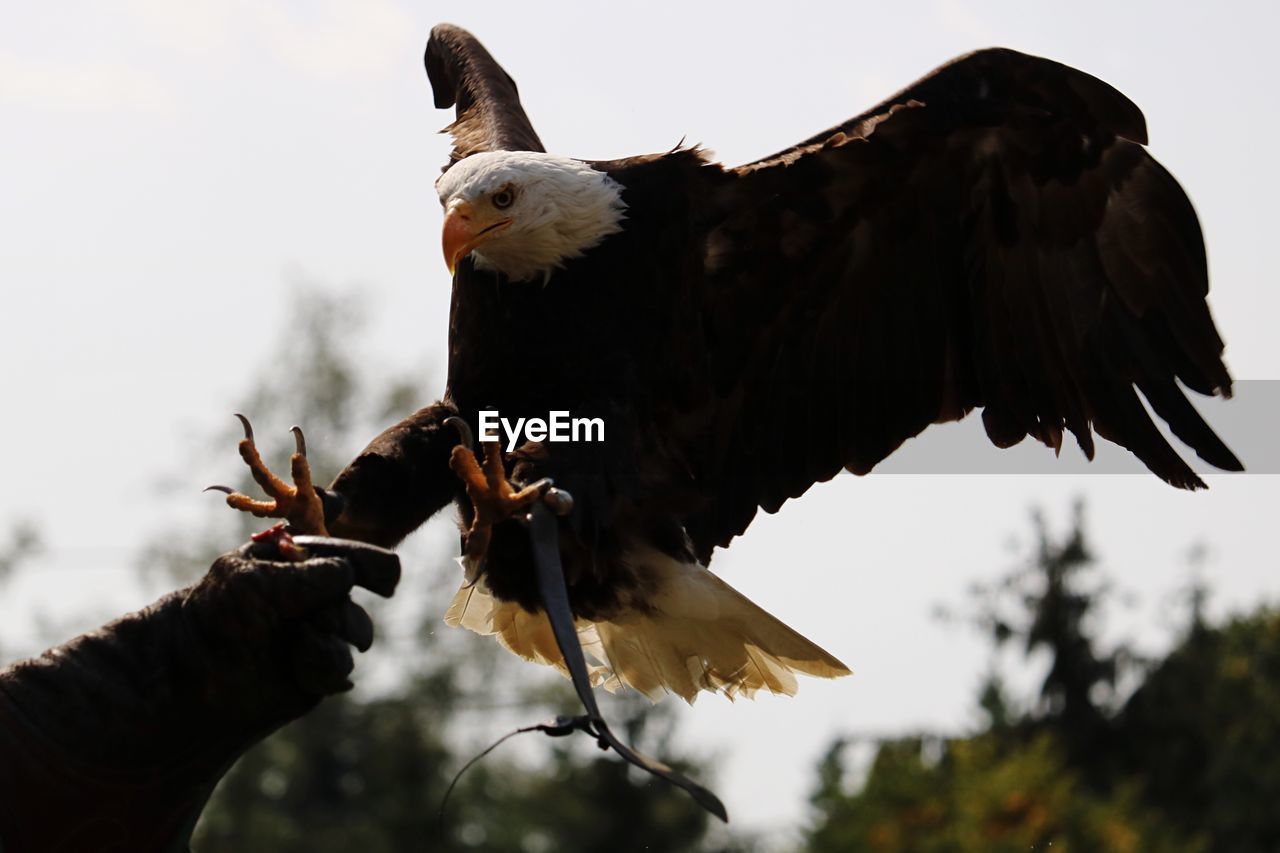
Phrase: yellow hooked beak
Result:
[466,227]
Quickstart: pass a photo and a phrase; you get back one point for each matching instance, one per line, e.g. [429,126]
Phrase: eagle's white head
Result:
[523,213]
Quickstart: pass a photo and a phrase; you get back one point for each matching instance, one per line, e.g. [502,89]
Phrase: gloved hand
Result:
[113,741]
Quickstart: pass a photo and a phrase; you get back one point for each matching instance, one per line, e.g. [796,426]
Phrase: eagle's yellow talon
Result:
[299,504]
[493,497]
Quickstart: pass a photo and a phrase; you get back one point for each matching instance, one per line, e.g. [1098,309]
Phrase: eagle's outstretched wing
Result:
[489,114]
[994,236]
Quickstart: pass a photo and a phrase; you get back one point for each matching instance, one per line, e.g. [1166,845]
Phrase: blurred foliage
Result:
[1190,762]
[24,543]
[1204,731]
[368,771]
[981,793]
[370,776]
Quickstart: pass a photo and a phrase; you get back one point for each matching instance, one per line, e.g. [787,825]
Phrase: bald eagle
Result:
[994,236]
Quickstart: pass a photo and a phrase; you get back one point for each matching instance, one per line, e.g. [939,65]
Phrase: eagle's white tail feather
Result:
[691,632]
[519,631]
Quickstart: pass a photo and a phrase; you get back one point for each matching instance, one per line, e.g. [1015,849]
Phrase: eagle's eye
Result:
[503,198]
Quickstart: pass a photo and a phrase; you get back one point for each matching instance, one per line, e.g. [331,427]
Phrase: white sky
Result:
[166,167]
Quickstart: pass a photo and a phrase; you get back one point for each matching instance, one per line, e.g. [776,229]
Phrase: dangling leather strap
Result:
[544,533]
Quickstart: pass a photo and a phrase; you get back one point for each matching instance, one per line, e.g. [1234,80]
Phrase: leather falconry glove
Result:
[114,741]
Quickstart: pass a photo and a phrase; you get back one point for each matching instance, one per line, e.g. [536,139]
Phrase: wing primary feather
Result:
[489,114]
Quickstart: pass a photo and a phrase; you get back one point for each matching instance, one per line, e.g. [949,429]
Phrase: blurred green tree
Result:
[1190,762]
[1204,732]
[1051,605]
[981,794]
[24,542]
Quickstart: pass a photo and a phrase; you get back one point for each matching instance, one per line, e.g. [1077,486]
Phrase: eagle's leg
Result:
[298,504]
[493,498]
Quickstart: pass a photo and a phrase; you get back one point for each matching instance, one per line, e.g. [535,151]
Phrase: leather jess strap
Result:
[544,533]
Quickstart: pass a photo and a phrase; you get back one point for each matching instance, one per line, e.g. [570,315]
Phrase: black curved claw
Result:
[299,440]
[226,490]
[465,436]
[248,427]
